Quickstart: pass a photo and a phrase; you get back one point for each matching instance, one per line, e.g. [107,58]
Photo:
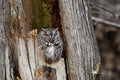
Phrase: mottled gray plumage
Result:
[51,43]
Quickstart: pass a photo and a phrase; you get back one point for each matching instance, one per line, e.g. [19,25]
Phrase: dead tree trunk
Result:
[83,54]
[20,55]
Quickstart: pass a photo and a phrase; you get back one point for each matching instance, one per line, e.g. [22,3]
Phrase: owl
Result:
[51,43]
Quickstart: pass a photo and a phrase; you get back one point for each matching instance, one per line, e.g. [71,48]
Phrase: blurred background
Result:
[106,20]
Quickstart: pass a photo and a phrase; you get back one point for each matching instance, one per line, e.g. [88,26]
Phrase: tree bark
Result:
[82,53]
[6,69]
[2,43]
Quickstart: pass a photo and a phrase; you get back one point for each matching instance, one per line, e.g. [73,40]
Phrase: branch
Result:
[106,22]
[100,6]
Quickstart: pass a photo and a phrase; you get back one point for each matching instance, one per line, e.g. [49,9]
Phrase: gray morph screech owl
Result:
[51,43]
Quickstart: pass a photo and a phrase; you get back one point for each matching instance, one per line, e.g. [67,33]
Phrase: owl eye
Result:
[56,44]
[47,44]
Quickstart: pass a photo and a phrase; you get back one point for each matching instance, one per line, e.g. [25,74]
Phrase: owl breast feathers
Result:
[52,45]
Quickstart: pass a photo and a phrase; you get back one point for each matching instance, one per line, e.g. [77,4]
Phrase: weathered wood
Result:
[23,61]
[83,54]
[6,69]
[31,55]
[2,44]
[21,16]
[60,69]
[45,73]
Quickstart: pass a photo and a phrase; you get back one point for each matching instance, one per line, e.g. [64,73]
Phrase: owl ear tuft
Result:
[56,29]
[43,29]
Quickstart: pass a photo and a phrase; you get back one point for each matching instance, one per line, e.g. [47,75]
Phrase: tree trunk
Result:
[6,71]
[2,43]
[82,52]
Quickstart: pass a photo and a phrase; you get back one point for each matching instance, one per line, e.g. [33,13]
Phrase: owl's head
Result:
[51,42]
[50,35]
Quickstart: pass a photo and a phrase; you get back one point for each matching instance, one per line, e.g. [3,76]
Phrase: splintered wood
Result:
[45,73]
[32,65]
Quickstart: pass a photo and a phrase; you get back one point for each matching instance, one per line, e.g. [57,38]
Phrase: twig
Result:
[100,6]
[106,22]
